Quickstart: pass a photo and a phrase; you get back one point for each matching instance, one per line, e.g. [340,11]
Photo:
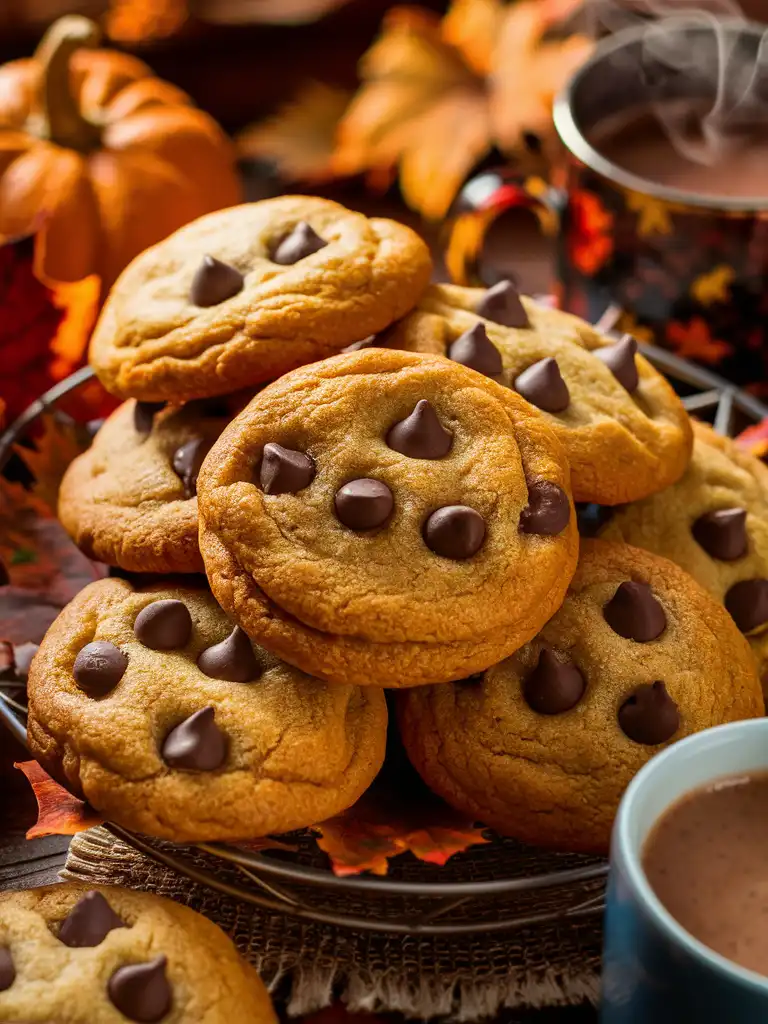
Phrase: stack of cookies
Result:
[330,477]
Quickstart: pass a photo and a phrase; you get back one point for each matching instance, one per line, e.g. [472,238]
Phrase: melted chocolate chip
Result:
[420,435]
[548,510]
[164,625]
[232,659]
[7,970]
[455,531]
[301,242]
[284,471]
[543,386]
[187,461]
[141,991]
[475,349]
[144,414]
[723,533]
[99,667]
[197,744]
[214,282]
[364,504]
[620,360]
[89,922]
[747,603]
[634,613]
[649,716]
[554,686]
[502,305]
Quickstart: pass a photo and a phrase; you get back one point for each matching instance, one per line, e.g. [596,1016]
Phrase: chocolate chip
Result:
[543,386]
[502,305]
[474,349]
[89,922]
[548,510]
[620,360]
[363,504]
[284,471]
[232,659]
[7,970]
[144,414]
[164,625]
[214,282]
[356,346]
[420,435]
[197,744]
[187,461]
[723,533]
[747,602]
[141,991]
[554,686]
[301,242]
[649,716]
[455,531]
[99,667]
[634,613]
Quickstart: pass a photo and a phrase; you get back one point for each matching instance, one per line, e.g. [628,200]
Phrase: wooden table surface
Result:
[515,248]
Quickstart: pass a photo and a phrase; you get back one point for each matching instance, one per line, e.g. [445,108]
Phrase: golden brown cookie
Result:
[131,499]
[542,746]
[714,523]
[386,518]
[149,705]
[81,955]
[625,432]
[243,295]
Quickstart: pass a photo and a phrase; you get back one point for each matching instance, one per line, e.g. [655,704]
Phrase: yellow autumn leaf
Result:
[714,286]
[653,215]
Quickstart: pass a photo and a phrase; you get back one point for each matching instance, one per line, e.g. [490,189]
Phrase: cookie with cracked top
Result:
[542,746]
[387,518]
[106,955]
[130,500]
[714,523]
[161,713]
[243,295]
[625,432]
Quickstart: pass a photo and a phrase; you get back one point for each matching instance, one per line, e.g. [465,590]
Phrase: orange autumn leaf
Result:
[44,327]
[58,812]
[132,21]
[437,96]
[694,341]
[375,829]
[754,439]
[590,239]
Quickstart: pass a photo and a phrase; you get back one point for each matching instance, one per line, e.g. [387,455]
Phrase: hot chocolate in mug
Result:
[660,202]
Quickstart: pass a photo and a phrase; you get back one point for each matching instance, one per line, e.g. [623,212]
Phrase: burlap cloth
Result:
[309,965]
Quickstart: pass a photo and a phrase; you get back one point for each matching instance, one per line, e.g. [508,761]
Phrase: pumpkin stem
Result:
[62,121]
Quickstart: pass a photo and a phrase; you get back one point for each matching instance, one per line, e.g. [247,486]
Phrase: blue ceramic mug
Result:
[654,971]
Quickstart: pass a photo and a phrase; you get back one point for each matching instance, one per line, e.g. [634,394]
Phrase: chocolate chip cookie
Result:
[131,499]
[624,430]
[164,716]
[107,955]
[542,745]
[714,523]
[243,295]
[386,518]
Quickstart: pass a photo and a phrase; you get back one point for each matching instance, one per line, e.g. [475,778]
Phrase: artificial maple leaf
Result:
[58,812]
[299,138]
[653,216]
[693,341]
[44,327]
[437,96]
[714,286]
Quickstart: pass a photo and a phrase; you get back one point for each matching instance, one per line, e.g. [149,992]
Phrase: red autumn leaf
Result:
[44,328]
[694,341]
[590,239]
[58,812]
[755,439]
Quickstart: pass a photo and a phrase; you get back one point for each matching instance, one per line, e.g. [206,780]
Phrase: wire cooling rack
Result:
[500,885]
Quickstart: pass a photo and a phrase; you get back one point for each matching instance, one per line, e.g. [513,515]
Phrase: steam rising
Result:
[730,78]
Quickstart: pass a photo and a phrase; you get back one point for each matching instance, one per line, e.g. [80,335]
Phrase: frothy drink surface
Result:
[707,861]
[737,167]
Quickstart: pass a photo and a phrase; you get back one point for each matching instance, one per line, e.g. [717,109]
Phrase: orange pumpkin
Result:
[100,157]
